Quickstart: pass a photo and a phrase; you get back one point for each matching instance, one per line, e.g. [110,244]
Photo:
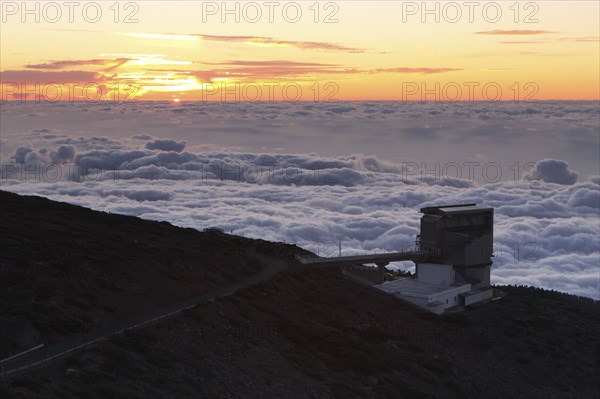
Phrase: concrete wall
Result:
[483,274]
[435,273]
[436,302]
[451,297]
[478,297]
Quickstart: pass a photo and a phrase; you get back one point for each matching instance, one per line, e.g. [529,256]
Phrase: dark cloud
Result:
[108,63]
[20,154]
[423,70]
[166,145]
[517,32]
[303,45]
[272,63]
[142,137]
[554,171]
[64,153]
[40,77]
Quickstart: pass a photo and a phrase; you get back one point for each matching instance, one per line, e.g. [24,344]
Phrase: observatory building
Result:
[459,241]
[453,257]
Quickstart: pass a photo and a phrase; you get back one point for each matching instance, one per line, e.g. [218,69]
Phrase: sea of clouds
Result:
[297,173]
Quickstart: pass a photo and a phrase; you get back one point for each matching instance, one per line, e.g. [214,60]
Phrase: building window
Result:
[446,301]
[454,299]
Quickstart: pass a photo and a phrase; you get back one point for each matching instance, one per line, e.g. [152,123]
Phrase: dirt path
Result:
[46,355]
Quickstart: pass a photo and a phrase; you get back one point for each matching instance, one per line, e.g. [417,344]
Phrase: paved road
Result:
[49,354]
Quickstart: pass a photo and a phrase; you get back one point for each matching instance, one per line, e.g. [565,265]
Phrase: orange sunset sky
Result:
[345,50]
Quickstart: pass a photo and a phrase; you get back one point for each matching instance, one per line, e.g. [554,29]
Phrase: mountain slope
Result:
[65,269]
[308,333]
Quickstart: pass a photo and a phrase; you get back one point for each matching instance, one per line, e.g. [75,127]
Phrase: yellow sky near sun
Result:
[376,50]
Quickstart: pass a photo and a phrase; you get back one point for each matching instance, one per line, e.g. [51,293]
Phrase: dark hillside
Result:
[304,333]
[66,269]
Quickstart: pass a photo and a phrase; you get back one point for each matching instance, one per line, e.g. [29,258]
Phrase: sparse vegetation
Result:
[303,333]
[65,269]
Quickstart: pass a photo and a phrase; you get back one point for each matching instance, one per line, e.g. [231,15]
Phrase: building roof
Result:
[456,209]
[411,287]
[474,291]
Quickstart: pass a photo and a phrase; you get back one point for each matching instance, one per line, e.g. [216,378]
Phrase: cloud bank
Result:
[253,169]
[546,231]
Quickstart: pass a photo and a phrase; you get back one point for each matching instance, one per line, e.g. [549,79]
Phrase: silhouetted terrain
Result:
[304,333]
[66,269]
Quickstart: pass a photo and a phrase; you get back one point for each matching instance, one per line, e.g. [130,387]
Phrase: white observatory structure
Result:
[453,258]
[460,241]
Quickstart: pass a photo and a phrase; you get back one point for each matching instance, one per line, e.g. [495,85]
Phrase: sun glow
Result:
[173,48]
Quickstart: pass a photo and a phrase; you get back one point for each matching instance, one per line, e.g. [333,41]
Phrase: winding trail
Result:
[35,359]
